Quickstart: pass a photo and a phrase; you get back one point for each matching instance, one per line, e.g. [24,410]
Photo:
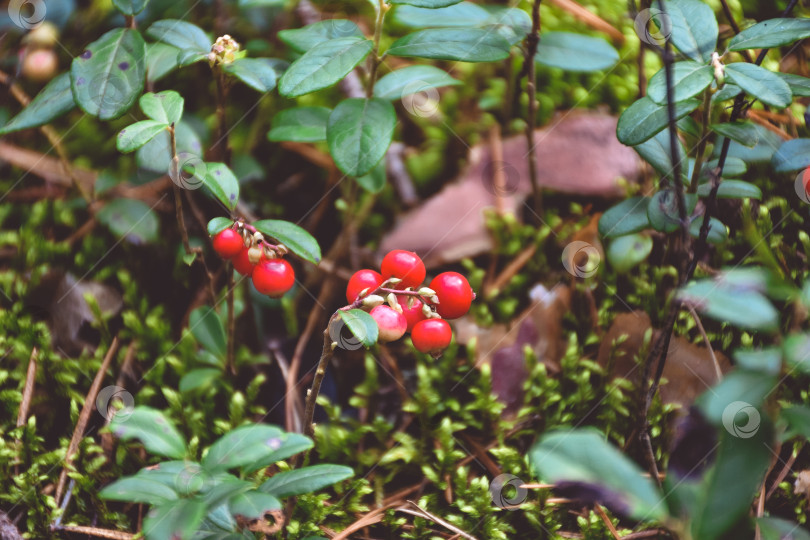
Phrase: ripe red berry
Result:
[228,243]
[455,294]
[391,323]
[431,336]
[242,264]
[405,265]
[361,280]
[273,277]
[412,314]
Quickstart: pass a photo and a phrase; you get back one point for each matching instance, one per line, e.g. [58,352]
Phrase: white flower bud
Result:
[392,281]
[372,301]
[426,291]
[392,301]
[426,311]
[255,254]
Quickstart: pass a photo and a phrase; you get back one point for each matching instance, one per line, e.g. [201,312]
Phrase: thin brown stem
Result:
[704,137]
[320,372]
[221,149]
[382,9]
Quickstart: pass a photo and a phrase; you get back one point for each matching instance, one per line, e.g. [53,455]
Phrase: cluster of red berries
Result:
[407,306]
[254,258]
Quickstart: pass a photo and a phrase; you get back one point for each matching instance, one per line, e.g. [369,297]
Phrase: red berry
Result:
[405,265]
[391,323]
[273,277]
[412,314]
[228,243]
[431,336]
[361,280]
[455,294]
[242,264]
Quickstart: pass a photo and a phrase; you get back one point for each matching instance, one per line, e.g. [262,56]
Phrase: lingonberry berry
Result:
[391,323]
[40,65]
[228,243]
[431,336]
[241,263]
[361,280]
[412,314]
[273,277]
[455,294]
[405,265]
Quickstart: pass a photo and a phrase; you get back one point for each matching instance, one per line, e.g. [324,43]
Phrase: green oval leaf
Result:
[663,210]
[154,155]
[738,305]
[760,83]
[257,73]
[771,33]
[199,378]
[108,76]
[792,156]
[656,152]
[300,124]
[644,118]
[799,86]
[743,132]
[52,102]
[206,326]
[152,429]
[718,233]
[468,45]
[253,504]
[731,189]
[181,34]
[296,238]
[412,80]
[429,4]
[575,52]
[305,480]
[694,28]
[166,106]
[359,132]
[161,59]
[138,134]
[688,79]
[374,181]
[131,219]
[773,528]
[361,325]
[243,446]
[130,7]
[222,183]
[303,39]
[629,216]
[323,65]
[138,489]
[218,224]
[177,519]
[462,14]
[289,445]
[628,251]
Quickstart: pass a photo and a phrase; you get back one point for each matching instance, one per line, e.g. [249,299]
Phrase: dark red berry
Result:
[405,265]
[412,314]
[361,280]
[455,294]
[273,277]
[431,336]
[242,264]
[228,243]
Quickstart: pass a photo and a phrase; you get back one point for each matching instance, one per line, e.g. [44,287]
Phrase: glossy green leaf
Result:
[767,144]
[799,86]
[303,39]
[300,124]
[732,167]
[130,7]
[750,387]
[772,528]
[52,102]
[296,238]
[429,4]
[462,14]
[771,33]
[131,219]
[154,155]
[152,429]
[628,251]
[627,217]
[718,233]
[738,305]
[688,79]
[583,455]
[575,52]
[512,23]
[644,118]
[792,156]
[469,45]
[760,83]
[165,107]
[138,489]
[206,327]
[253,504]
[767,361]
[199,378]
[374,180]
[361,325]
[289,445]
[797,418]
[218,224]
[742,132]
[412,80]
[257,73]
[694,28]
[359,132]
[161,59]
[108,76]
[732,189]
[222,183]
[663,210]
[243,446]
[181,34]
[323,65]
[656,152]
[177,520]
[136,135]
[728,91]
[796,349]
[305,480]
